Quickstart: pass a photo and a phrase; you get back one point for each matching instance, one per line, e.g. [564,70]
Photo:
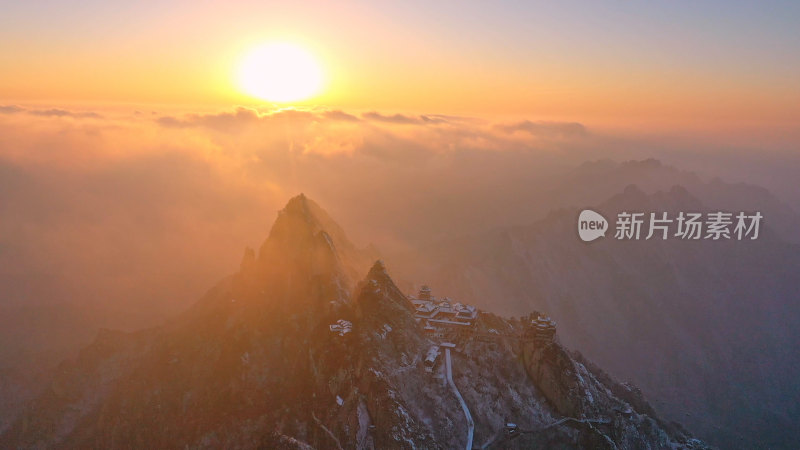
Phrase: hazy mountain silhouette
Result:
[254,364]
[707,329]
[594,182]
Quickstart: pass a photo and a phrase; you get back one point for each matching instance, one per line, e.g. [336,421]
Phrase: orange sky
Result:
[631,65]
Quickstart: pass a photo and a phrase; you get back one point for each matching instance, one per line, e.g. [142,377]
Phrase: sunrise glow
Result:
[375,224]
[280,72]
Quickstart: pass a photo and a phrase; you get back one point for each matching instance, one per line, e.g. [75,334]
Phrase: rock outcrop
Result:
[290,352]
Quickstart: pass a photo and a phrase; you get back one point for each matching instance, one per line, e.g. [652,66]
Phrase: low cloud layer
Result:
[146,211]
[51,112]
[550,129]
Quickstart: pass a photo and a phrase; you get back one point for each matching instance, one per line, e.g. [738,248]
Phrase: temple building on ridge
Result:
[425,293]
[442,318]
[542,329]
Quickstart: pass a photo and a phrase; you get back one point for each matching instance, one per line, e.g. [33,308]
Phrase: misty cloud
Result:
[394,118]
[53,112]
[152,208]
[222,121]
[10,109]
[63,113]
[172,122]
[340,115]
[549,129]
[138,201]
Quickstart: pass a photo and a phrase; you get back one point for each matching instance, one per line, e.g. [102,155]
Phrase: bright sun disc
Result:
[280,72]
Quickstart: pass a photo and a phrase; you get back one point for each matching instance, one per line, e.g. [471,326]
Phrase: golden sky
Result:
[720,64]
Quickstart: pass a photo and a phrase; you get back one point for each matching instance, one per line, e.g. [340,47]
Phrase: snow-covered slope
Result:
[255,363]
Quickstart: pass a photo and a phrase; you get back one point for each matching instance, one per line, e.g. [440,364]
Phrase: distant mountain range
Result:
[256,363]
[708,329]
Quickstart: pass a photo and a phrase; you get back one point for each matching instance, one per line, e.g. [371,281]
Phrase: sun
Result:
[280,72]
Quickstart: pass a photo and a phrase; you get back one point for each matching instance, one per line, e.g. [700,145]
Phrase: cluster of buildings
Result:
[541,329]
[445,322]
[342,327]
[442,318]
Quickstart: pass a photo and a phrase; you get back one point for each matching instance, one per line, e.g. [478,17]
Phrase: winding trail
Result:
[470,422]
[326,430]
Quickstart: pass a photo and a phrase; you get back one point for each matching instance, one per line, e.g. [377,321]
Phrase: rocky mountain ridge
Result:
[256,364]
